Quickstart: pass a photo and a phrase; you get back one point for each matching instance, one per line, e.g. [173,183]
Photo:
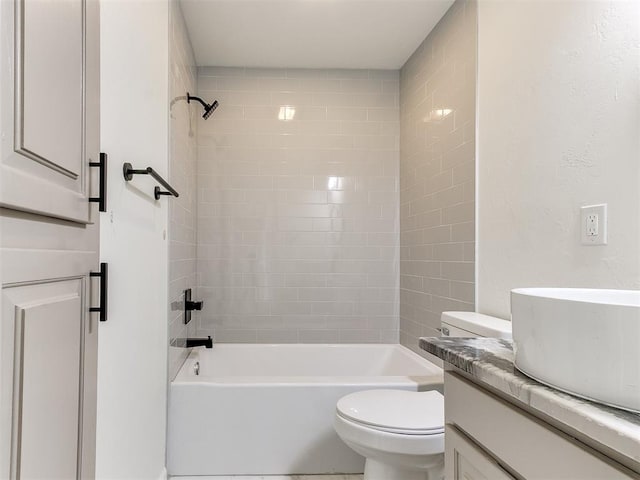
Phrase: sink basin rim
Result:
[622,298]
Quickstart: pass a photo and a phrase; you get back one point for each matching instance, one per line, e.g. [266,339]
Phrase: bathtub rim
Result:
[373,381]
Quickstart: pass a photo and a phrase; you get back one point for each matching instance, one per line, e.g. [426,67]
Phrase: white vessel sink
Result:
[582,341]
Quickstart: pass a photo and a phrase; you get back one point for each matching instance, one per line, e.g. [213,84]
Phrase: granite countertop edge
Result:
[489,361]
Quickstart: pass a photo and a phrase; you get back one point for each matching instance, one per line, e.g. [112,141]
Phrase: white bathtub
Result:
[268,409]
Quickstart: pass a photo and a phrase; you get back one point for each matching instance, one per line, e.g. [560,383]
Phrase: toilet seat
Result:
[395,411]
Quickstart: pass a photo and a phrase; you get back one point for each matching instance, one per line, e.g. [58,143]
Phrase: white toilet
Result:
[401,433]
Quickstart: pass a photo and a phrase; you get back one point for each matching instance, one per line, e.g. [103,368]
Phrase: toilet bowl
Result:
[405,442]
[401,433]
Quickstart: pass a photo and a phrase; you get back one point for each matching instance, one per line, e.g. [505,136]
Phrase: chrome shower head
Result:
[208,109]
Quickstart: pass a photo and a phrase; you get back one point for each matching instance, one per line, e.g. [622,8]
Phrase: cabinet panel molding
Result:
[466,461]
[47,397]
[50,115]
[48,375]
[49,88]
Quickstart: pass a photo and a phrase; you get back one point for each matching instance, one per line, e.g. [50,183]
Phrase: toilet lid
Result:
[397,411]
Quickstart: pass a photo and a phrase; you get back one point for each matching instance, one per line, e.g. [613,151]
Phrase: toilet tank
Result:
[472,324]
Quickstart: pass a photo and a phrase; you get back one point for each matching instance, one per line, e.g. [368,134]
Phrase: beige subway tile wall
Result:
[182,175]
[437,175]
[298,205]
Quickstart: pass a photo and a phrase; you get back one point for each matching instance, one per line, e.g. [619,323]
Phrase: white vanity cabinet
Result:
[489,438]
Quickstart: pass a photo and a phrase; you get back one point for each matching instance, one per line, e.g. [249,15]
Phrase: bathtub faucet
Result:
[199,342]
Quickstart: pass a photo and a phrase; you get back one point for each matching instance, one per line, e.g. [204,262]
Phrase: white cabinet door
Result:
[48,329]
[466,461]
[49,237]
[50,88]
[48,354]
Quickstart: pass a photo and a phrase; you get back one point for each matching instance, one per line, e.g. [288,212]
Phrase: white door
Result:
[49,237]
[50,72]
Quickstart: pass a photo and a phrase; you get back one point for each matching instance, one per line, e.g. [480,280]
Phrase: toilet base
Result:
[374,470]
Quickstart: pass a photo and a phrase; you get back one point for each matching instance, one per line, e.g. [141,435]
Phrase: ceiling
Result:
[376,34]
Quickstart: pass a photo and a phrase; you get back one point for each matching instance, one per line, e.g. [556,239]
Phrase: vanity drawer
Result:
[522,445]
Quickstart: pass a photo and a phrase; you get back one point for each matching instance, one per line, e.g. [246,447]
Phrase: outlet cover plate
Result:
[593,224]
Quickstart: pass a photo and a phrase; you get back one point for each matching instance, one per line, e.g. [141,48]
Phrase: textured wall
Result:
[558,130]
[298,220]
[182,175]
[437,175]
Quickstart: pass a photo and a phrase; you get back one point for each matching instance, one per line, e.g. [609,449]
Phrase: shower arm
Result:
[202,102]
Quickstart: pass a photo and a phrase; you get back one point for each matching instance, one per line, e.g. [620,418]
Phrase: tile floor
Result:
[278,477]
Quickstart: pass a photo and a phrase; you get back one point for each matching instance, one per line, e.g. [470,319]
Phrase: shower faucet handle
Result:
[189,305]
[194,305]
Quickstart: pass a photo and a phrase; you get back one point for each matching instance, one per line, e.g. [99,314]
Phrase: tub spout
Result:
[199,342]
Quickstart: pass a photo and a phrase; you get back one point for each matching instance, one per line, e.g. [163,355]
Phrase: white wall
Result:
[132,363]
[558,127]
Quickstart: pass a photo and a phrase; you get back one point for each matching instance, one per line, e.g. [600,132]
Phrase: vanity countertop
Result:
[489,361]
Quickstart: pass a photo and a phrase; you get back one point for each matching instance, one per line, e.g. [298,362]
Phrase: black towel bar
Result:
[128,171]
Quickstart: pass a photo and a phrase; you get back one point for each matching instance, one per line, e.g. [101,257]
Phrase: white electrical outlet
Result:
[593,224]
